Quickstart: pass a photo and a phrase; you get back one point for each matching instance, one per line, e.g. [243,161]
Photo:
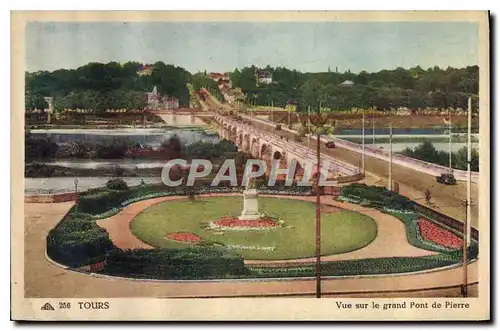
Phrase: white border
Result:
[187,4]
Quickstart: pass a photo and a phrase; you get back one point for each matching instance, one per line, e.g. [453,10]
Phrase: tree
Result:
[100,86]
[172,148]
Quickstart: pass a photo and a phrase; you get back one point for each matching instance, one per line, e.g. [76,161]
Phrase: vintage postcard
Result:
[183,166]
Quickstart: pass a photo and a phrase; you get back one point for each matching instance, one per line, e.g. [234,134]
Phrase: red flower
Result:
[438,235]
[234,222]
[184,237]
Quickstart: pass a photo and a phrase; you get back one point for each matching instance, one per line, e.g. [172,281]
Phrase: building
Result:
[154,98]
[218,77]
[145,70]
[171,103]
[156,101]
[347,83]
[264,77]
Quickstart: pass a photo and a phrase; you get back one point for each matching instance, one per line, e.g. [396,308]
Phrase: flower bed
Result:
[259,248]
[187,237]
[342,198]
[432,232]
[400,211]
[234,223]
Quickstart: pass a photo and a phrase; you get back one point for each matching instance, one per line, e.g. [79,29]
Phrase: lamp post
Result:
[289,113]
[468,215]
[390,157]
[469,178]
[373,129]
[272,111]
[464,289]
[308,128]
[76,193]
[318,219]
[363,144]
[449,139]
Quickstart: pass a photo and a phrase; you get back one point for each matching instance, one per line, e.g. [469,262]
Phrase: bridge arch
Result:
[234,134]
[239,140]
[245,145]
[254,147]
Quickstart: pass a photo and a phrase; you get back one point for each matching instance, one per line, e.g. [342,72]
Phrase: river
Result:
[152,137]
[67,184]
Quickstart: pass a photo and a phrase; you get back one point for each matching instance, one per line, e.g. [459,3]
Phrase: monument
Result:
[250,203]
[50,110]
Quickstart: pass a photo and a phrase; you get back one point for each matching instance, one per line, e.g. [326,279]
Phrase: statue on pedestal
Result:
[250,202]
[50,110]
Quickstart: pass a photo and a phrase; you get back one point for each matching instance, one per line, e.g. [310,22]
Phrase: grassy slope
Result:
[341,232]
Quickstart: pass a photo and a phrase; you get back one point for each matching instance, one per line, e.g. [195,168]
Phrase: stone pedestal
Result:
[250,205]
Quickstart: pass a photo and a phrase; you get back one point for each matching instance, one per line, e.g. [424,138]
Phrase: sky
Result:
[211,46]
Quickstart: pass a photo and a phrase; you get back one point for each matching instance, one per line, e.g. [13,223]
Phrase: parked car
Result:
[447,179]
[330,144]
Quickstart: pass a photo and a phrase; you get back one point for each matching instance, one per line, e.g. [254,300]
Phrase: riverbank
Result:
[106,128]
[383,139]
[92,169]
[67,184]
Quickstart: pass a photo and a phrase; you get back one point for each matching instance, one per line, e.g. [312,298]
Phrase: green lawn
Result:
[341,232]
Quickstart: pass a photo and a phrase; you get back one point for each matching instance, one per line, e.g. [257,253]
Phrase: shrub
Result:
[117,184]
[103,201]
[77,240]
[371,266]
[379,197]
[189,263]
[278,127]
[396,205]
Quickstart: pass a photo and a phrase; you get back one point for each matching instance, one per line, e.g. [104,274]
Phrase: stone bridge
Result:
[182,117]
[267,146]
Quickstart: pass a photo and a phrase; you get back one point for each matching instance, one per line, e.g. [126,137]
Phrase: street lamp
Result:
[467,225]
[76,193]
[318,220]
[464,289]
[320,128]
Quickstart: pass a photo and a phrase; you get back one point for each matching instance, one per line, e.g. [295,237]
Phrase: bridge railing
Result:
[297,149]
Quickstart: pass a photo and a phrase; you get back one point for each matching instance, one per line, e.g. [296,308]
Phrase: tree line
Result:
[413,88]
[426,151]
[100,86]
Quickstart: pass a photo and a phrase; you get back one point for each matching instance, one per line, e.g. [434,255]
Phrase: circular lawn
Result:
[341,231]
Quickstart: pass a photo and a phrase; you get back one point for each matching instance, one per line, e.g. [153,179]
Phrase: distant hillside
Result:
[412,88]
[101,86]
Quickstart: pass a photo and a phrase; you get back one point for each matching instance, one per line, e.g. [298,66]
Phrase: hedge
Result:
[103,203]
[162,263]
[371,266]
[396,205]
[77,241]
[378,197]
